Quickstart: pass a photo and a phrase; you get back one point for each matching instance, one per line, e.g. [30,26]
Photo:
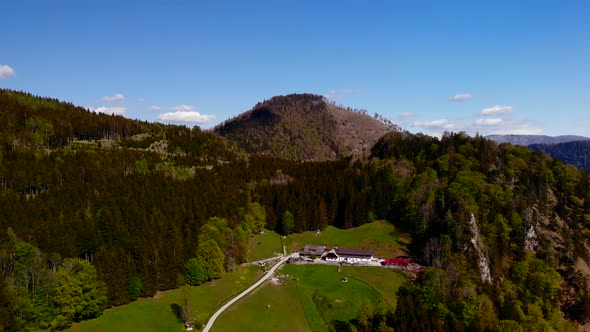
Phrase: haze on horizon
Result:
[494,68]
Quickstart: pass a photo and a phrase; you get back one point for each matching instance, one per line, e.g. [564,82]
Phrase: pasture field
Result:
[386,281]
[154,314]
[261,246]
[333,298]
[380,236]
[271,307]
[311,298]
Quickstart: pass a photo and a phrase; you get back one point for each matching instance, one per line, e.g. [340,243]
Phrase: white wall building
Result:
[349,255]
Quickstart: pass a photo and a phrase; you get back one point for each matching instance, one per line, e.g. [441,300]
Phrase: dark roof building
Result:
[331,256]
[313,250]
[360,253]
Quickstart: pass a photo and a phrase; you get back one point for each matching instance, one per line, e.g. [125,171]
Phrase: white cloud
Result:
[118,98]
[440,124]
[489,122]
[517,128]
[185,117]
[184,108]
[117,110]
[498,109]
[461,97]
[155,108]
[407,115]
[6,72]
[332,94]
[437,127]
[141,100]
[335,94]
[504,126]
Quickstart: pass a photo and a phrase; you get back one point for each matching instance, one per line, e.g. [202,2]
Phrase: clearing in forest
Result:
[380,236]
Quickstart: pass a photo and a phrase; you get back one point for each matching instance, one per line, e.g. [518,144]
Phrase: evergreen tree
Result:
[134,288]
[288,224]
[7,312]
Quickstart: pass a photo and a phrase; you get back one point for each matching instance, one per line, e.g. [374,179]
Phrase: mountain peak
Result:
[304,127]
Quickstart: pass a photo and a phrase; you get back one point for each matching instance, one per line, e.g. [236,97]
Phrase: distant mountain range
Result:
[570,149]
[304,127]
[535,139]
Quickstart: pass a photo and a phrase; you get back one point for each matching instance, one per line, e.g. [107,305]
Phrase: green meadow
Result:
[311,298]
[380,236]
[154,314]
[383,280]
[263,246]
[269,308]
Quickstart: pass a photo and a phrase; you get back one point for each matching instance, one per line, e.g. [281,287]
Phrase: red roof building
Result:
[397,261]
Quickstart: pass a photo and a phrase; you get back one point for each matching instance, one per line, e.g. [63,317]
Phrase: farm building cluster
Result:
[338,255]
[318,253]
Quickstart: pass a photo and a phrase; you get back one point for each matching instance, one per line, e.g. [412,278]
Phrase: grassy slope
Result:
[252,314]
[263,246]
[154,314]
[380,236]
[343,300]
[385,281]
[292,306]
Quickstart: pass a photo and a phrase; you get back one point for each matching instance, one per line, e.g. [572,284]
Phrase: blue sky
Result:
[518,67]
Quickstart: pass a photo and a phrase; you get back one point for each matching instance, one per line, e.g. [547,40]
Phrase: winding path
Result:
[244,293]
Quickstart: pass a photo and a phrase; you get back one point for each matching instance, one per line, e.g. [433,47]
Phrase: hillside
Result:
[31,123]
[513,218]
[576,153]
[303,127]
[535,139]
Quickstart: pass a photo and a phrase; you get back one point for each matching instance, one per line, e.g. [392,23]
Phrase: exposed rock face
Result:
[477,243]
[530,242]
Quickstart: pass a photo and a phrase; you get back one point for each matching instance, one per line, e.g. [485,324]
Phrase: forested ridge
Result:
[154,207]
[576,152]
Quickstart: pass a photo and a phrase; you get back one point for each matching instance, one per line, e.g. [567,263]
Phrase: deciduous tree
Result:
[211,257]
[195,275]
